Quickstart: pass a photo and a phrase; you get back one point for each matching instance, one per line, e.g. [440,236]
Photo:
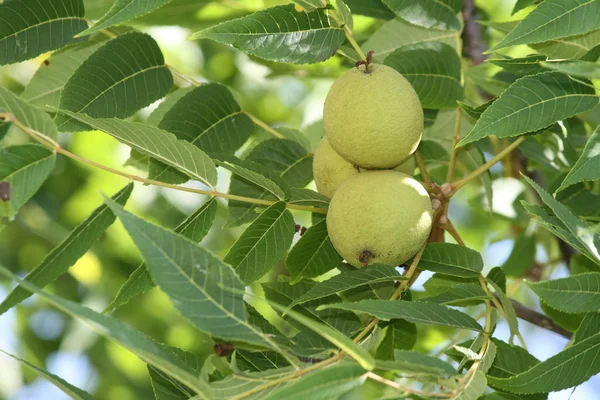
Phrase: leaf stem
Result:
[460,183]
[449,227]
[454,150]
[264,125]
[347,32]
[50,144]
[183,76]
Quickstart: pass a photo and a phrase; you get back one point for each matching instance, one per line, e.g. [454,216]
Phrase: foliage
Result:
[251,274]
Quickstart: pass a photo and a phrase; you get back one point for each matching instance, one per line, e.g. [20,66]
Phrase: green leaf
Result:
[521,257]
[280,34]
[415,362]
[195,227]
[29,28]
[208,117]
[533,103]
[345,14]
[521,4]
[451,259]
[575,294]
[399,335]
[437,14]
[463,294]
[474,387]
[566,369]
[262,244]
[511,314]
[204,289]
[421,312]
[151,352]
[587,167]
[554,19]
[168,388]
[510,360]
[434,71]
[71,249]
[287,159]
[349,280]
[254,173]
[323,384]
[246,360]
[121,77]
[313,255]
[588,327]
[284,294]
[70,390]
[332,335]
[26,114]
[159,112]
[397,33]
[123,11]
[246,384]
[158,144]
[582,69]
[370,8]
[529,65]
[44,89]
[580,233]
[25,167]
[309,5]
[573,47]
[308,197]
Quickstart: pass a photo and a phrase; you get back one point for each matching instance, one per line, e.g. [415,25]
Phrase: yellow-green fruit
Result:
[330,169]
[379,217]
[373,119]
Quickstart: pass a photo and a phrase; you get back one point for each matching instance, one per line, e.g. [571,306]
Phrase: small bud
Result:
[435,204]
[446,189]
[443,220]
[4,191]
[223,349]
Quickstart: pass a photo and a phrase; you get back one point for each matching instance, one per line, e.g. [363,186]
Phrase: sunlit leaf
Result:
[474,387]
[280,34]
[465,293]
[582,69]
[29,28]
[29,116]
[72,248]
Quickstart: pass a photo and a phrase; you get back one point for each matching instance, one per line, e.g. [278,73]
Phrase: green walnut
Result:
[330,169]
[373,117]
[379,217]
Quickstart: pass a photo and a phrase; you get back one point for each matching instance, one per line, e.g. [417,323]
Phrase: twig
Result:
[454,150]
[183,76]
[449,227]
[460,183]
[46,142]
[264,125]
[404,389]
[472,44]
[422,168]
[539,319]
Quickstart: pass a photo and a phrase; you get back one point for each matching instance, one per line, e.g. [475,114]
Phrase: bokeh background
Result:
[278,94]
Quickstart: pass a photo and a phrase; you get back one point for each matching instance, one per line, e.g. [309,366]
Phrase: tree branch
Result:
[539,319]
[472,45]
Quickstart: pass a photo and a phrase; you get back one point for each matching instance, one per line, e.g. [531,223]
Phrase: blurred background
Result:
[281,95]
